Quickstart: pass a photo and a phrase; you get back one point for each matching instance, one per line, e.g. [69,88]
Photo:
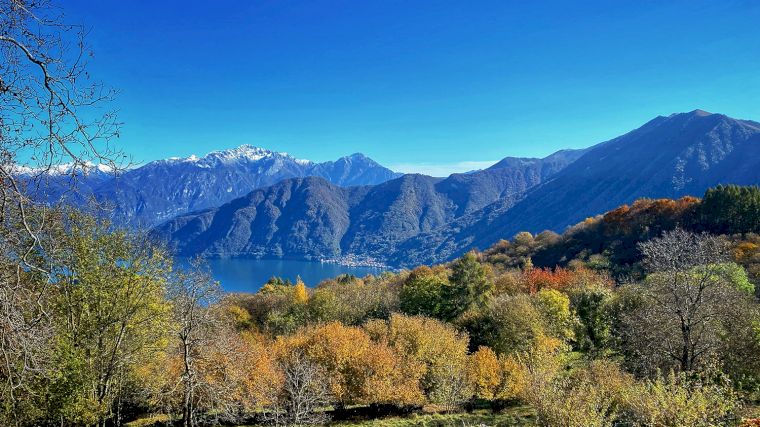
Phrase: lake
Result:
[248,275]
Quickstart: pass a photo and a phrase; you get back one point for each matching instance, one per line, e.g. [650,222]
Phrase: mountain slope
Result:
[300,217]
[311,218]
[682,154]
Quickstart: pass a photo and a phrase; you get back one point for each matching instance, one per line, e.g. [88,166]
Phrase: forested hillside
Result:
[674,156]
[312,218]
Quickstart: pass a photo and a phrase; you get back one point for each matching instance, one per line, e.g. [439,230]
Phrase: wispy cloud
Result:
[441,169]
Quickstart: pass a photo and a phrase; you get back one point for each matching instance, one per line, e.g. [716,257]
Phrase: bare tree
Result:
[686,301]
[193,292]
[303,396]
[452,387]
[50,113]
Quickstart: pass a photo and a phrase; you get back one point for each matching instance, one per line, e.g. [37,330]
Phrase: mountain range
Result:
[157,191]
[417,219]
[668,157]
[312,218]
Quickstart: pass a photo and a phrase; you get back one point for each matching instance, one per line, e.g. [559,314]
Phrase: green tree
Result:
[423,293]
[111,310]
[730,209]
[469,286]
[593,331]
[508,324]
[555,310]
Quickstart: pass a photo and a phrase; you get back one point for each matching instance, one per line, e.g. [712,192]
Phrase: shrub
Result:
[678,400]
[588,397]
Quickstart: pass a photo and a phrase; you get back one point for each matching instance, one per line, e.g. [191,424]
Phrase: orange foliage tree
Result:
[438,347]
[358,370]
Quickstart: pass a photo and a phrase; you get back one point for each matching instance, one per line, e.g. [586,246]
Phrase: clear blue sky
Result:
[421,85]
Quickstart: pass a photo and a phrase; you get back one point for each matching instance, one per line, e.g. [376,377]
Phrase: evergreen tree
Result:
[469,287]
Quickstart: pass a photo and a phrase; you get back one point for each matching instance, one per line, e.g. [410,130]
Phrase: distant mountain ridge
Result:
[417,219]
[669,156]
[311,218]
[152,193]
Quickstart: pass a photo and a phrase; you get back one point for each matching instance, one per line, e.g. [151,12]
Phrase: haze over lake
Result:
[248,275]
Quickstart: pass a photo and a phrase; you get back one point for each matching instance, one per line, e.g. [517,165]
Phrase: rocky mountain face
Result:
[682,154]
[312,218]
[160,190]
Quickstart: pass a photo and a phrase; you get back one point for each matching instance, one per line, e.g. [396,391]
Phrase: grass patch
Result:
[151,421]
[519,416]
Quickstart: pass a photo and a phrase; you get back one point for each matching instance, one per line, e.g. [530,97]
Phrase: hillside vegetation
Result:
[645,316]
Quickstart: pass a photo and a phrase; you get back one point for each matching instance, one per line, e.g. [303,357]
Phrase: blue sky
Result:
[429,86]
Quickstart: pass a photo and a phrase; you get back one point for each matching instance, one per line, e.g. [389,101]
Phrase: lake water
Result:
[248,275]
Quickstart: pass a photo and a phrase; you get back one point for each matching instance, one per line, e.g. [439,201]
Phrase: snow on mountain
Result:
[156,191]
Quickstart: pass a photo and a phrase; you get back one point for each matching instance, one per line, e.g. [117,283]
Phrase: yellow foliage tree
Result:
[258,377]
[239,316]
[514,378]
[555,309]
[300,295]
[232,373]
[528,373]
[358,370]
[485,373]
[437,346]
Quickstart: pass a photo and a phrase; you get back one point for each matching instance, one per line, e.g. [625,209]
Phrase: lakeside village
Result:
[352,260]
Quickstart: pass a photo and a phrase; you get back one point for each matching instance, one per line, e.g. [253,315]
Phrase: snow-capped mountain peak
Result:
[156,191]
[243,154]
[87,168]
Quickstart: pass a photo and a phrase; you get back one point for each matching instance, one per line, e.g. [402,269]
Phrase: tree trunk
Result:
[686,361]
[187,404]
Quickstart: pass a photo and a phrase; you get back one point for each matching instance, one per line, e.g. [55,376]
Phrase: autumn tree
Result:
[537,279]
[302,395]
[358,370]
[438,347]
[219,375]
[192,292]
[52,112]
[689,296]
[590,396]
[300,294]
[529,373]
[110,307]
[485,373]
